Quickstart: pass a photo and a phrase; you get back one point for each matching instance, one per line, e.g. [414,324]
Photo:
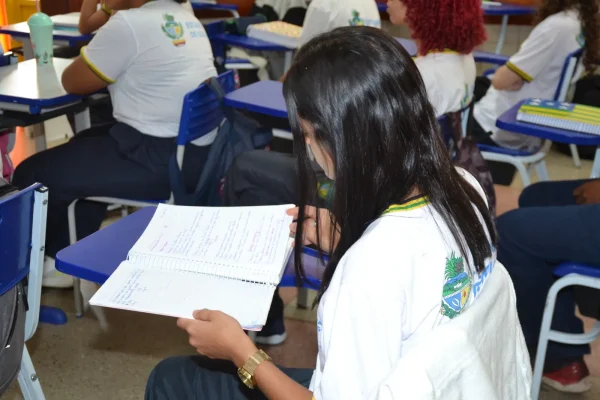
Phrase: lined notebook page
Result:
[250,243]
[178,294]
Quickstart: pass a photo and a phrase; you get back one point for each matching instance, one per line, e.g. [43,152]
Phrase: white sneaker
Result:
[54,279]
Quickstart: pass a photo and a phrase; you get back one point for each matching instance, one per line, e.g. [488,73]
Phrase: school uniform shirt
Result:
[188,6]
[539,62]
[152,56]
[326,15]
[401,279]
[449,78]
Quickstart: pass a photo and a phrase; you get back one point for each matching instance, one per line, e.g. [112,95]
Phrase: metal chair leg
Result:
[28,379]
[302,300]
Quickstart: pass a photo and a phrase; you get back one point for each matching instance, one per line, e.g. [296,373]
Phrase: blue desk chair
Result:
[202,5]
[570,274]
[201,114]
[22,238]
[525,160]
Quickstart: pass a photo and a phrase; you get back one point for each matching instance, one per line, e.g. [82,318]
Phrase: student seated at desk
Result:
[563,26]
[147,71]
[556,222]
[325,15]
[264,178]
[403,223]
[446,33]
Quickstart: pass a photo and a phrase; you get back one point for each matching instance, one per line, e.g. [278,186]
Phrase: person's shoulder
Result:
[383,247]
[555,24]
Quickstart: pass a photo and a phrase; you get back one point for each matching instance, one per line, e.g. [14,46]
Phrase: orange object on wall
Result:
[4,40]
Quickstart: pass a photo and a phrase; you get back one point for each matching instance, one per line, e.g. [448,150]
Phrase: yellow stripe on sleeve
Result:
[95,69]
[524,75]
[106,10]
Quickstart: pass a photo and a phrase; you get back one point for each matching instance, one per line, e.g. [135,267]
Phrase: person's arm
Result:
[103,60]
[505,79]
[533,56]
[91,19]
[219,336]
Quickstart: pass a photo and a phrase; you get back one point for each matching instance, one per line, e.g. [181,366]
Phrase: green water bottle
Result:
[41,30]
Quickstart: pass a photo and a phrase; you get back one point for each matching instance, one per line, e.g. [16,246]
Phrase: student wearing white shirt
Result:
[148,55]
[408,234]
[446,32]
[260,178]
[325,15]
[563,26]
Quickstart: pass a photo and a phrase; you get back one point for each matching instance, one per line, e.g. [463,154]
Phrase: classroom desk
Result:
[26,89]
[249,43]
[508,122]
[263,97]
[96,257]
[231,8]
[63,36]
[505,10]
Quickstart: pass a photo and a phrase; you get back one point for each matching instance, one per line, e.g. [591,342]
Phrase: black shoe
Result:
[272,334]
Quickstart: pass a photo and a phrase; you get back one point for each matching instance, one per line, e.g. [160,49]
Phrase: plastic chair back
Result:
[570,72]
[202,112]
[16,217]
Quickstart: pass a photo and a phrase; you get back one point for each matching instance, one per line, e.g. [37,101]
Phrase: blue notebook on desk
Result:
[558,114]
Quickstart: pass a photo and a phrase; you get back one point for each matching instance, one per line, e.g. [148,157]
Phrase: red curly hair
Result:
[446,24]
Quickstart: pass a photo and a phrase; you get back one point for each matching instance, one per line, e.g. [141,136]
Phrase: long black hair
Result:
[363,95]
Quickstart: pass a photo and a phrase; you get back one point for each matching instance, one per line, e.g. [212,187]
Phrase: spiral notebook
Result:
[557,114]
[190,258]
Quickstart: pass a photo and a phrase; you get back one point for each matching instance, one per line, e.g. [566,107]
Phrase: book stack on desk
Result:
[557,114]
[277,32]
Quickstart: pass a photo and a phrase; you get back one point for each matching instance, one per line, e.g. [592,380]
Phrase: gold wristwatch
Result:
[246,372]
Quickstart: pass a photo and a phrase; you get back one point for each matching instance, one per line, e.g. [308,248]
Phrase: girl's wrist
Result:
[243,350]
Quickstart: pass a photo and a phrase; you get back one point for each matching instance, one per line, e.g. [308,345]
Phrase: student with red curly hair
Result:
[446,32]
[563,26]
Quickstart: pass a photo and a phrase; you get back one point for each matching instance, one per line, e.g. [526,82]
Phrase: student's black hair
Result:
[363,95]
[180,1]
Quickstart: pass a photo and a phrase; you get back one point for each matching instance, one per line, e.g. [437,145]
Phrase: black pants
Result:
[260,178]
[502,173]
[197,377]
[112,160]
[548,229]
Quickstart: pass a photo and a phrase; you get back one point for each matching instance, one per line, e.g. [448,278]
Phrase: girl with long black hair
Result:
[404,222]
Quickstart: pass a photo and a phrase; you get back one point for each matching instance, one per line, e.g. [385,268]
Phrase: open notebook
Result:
[190,258]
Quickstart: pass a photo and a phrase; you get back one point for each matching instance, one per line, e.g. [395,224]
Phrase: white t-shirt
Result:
[188,6]
[539,62]
[326,15]
[401,279]
[449,78]
[152,57]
